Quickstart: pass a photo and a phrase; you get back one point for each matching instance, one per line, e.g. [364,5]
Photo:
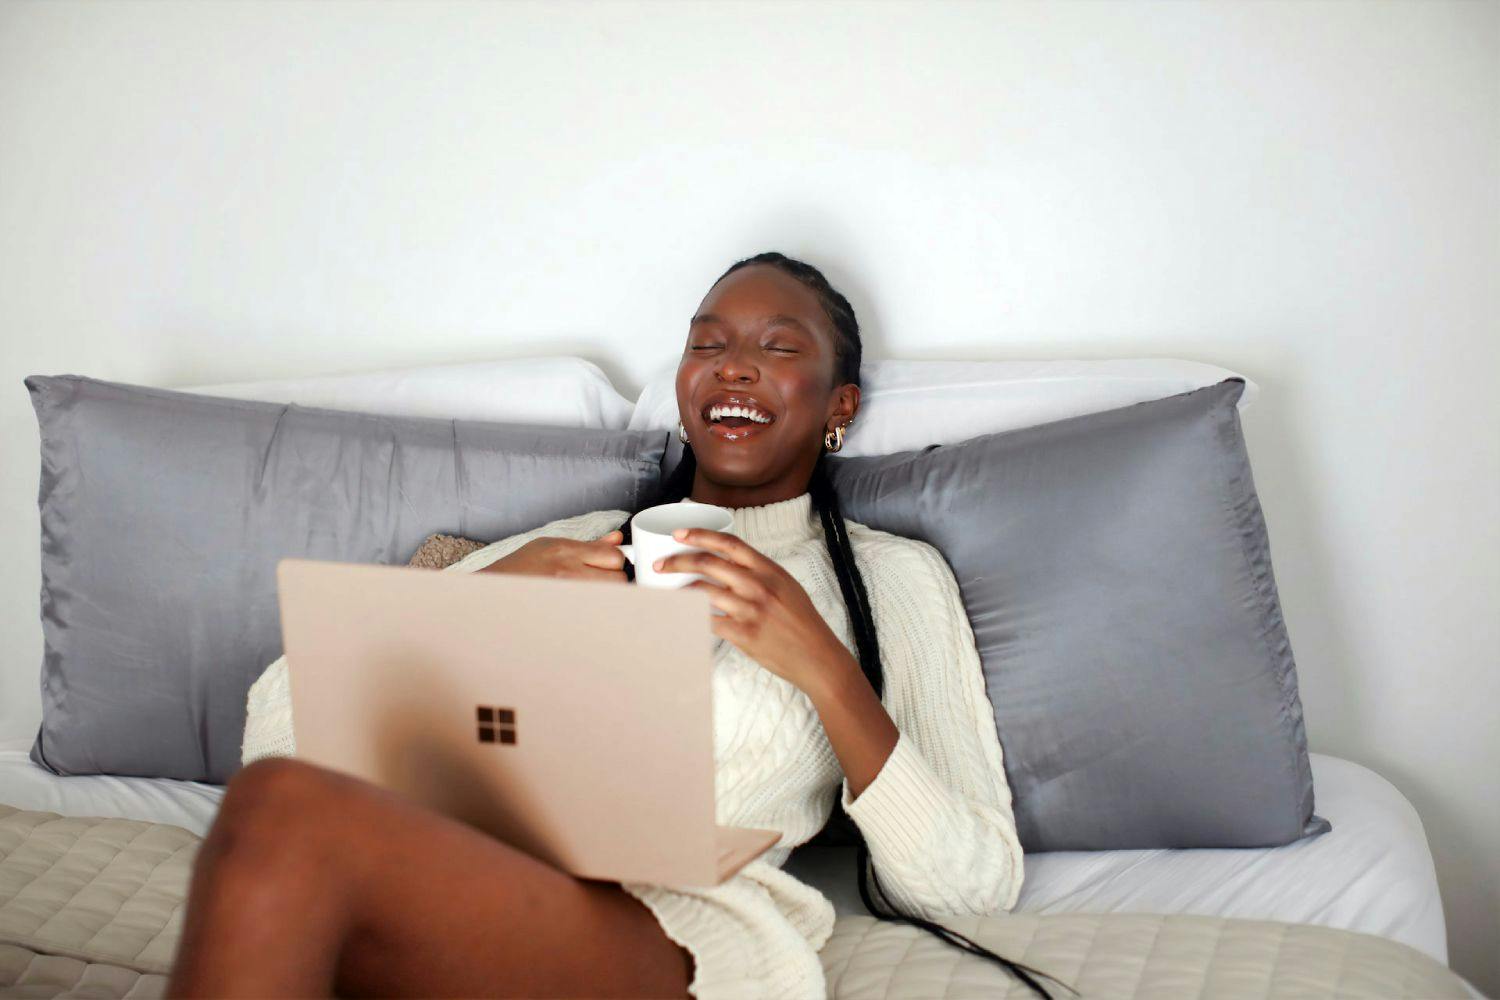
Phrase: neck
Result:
[705,490]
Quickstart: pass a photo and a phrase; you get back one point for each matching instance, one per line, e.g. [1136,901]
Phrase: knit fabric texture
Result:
[937,817]
[442,551]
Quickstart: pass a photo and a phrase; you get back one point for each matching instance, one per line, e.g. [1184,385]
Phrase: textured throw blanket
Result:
[93,907]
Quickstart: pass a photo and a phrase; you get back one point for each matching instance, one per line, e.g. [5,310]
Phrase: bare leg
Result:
[312,882]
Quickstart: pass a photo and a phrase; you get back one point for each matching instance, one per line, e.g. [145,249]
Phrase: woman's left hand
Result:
[767,614]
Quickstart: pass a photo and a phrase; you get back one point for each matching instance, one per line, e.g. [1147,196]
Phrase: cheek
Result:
[807,396]
[686,377]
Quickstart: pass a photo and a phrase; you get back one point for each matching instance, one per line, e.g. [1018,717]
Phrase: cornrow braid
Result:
[679,485]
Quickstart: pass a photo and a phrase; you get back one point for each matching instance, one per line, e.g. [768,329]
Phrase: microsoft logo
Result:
[497,725]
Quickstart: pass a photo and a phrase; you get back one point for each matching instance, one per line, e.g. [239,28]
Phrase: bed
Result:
[1372,874]
[1111,920]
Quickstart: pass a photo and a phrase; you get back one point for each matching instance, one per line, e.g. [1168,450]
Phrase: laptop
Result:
[572,719]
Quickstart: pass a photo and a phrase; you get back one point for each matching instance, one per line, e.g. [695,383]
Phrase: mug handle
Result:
[628,549]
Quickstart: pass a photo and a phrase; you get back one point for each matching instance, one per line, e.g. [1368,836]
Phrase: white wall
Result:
[1305,192]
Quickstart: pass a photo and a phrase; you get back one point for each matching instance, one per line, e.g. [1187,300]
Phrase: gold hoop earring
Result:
[681,432]
[834,439]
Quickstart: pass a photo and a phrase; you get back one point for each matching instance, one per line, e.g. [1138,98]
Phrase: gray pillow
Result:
[1117,574]
[163,515]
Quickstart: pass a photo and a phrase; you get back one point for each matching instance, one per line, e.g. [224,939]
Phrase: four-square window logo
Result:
[497,725]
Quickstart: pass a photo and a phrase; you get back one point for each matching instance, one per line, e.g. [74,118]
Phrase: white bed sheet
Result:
[1372,872]
[187,804]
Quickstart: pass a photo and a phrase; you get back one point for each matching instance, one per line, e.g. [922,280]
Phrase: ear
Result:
[843,406]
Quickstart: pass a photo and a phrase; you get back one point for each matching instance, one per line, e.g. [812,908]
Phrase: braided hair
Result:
[679,485]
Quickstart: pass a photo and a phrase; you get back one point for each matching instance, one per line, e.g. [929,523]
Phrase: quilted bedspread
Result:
[93,907]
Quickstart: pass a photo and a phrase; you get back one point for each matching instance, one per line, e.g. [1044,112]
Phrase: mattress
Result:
[1372,872]
[187,804]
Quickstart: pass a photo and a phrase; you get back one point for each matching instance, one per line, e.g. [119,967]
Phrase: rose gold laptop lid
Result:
[570,718]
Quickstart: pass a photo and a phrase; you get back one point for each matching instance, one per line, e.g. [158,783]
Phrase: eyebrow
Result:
[780,319]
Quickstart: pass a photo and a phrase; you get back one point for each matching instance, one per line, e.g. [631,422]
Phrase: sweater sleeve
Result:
[937,817]
[268,706]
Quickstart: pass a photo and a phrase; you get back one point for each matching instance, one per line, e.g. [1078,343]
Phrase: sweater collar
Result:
[778,523]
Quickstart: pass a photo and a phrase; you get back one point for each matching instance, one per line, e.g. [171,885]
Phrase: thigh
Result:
[439,908]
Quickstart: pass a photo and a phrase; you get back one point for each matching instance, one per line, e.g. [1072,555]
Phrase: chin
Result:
[734,473]
[732,466]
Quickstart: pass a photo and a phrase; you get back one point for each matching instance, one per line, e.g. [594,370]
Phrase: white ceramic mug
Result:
[651,538]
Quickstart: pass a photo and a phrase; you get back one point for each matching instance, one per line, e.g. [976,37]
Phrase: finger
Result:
[737,578]
[603,541]
[727,629]
[725,600]
[605,556]
[592,573]
[735,549]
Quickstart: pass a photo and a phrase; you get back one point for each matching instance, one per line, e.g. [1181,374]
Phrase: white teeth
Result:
[719,412]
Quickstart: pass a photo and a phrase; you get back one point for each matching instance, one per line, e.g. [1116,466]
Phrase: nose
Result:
[733,369]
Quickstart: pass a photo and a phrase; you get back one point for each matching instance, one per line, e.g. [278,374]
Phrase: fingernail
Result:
[657,565]
[680,534]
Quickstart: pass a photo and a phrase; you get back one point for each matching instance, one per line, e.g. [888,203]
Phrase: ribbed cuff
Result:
[902,809]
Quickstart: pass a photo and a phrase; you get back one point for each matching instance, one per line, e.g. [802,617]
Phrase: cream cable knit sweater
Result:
[937,817]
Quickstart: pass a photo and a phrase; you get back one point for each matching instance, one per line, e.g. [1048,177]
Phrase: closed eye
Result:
[710,347]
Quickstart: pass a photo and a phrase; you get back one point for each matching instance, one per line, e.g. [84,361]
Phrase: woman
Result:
[311,882]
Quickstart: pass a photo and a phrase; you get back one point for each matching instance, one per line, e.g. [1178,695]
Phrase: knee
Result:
[272,813]
[279,789]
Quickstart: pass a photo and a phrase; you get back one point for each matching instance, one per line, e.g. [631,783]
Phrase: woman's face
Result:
[759,340]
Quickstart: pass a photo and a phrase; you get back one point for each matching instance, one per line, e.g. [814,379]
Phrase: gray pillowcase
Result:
[163,516]
[1116,570]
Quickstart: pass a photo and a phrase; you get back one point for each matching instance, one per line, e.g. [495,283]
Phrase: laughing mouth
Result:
[735,419]
[728,433]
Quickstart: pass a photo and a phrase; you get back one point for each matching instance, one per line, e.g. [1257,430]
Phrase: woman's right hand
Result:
[566,558]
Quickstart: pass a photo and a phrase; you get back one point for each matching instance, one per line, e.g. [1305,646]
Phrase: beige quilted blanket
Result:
[89,907]
[93,908]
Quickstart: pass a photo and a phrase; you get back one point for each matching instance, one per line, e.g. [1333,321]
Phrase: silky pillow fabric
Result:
[164,514]
[1116,570]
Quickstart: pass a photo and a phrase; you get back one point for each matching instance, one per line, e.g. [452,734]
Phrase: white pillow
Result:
[905,405]
[565,391]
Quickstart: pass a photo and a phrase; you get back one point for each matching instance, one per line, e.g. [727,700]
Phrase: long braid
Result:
[836,536]
[679,486]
